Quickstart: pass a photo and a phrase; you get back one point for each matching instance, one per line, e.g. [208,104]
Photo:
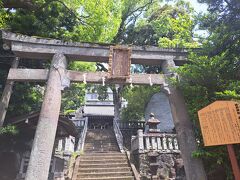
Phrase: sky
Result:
[199,7]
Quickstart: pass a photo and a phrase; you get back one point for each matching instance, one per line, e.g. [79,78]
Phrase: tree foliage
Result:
[78,20]
[74,96]
[213,74]
[69,20]
[210,75]
[137,98]
[163,25]
[222,22]
[204,81]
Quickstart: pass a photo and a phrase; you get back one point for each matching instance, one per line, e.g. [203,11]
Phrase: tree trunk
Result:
[185,133]
[117,101]
[47,125]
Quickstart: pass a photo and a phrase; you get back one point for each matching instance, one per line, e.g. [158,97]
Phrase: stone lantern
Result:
[153,123]
[152,155]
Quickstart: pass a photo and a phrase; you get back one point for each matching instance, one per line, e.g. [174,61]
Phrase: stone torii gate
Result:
[58,77]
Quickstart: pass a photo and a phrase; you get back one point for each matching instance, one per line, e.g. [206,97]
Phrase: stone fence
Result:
[56,170]
[131,125]
[161,143]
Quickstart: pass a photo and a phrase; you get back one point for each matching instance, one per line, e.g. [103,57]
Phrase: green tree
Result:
[136,106]
[162,25]
[213,74]
[73,97]
[222,23]
[92,21]
[203,82]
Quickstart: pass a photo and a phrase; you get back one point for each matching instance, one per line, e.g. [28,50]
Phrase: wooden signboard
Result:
[119,62]
[220,123]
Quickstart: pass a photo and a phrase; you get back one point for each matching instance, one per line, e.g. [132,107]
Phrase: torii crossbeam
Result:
[119,59]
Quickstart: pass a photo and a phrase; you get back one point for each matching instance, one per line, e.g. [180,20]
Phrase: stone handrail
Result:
[83,135]
[134,170]
[162,143]
[118,135]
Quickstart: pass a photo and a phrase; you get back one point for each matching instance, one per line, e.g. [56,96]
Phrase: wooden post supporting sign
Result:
[234,162]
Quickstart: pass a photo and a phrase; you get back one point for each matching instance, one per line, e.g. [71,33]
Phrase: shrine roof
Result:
[29,121]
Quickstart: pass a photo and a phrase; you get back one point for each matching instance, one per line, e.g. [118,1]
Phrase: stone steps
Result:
[103,165]
[100,140]
[102,143]
[109,178]
[100,150]
[102,159]
[104,154]
[105,142]
[93,170]
[103,174]
[100,146]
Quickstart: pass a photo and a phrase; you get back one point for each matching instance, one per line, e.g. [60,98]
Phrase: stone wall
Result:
[127,134]
[169,166]
[9,165]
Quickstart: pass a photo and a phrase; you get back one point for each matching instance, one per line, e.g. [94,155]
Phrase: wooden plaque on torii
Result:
[119,62]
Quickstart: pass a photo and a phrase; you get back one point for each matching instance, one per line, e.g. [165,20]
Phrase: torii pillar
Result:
[4,102]
[194,168]
[42,148]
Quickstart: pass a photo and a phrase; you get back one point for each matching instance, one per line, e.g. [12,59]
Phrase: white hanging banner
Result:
[103,81]
[150,80]
[130,80]
[84,79]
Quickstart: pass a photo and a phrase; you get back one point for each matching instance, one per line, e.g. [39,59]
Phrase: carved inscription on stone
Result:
[220,123]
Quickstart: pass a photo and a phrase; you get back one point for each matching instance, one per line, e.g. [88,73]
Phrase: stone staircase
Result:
[102,159]
[100,140]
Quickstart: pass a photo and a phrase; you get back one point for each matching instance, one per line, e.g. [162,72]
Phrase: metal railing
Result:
[79,123]
[118,135]
[162,143]
[83,136]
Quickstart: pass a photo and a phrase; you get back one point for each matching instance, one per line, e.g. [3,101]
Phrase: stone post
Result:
[43,143]
[7,94]
[140,140]
[194,168]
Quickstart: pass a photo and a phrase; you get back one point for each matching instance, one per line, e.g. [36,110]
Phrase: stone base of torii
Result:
[120,59]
